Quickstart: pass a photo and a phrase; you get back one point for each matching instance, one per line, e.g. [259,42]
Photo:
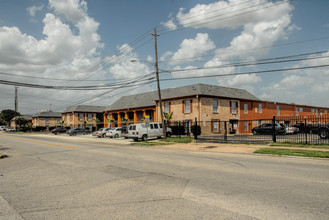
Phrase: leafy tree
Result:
[62,123]
[168,116]
[125,120]
[9,114]
[96,120]
[22,122]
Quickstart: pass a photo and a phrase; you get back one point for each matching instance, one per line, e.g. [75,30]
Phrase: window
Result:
[312,110]
[166,107]
[316,112]
[81,116]
[187,106]
[58,120]
[259,122]
[151,125]
[234,105]
[300,109]
[296,111]
[70,117]
[325,111]
[260,108]
[215,126]
[90,117]
[47,120]
[277,110]
[156,126]
[215,105]
[246,126]
[246,108]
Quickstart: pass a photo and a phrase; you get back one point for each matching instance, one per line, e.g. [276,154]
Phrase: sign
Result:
[147,120]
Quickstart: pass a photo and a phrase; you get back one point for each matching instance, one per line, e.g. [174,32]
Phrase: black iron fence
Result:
[310,129]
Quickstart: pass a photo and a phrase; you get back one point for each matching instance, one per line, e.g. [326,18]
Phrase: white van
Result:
[142,131]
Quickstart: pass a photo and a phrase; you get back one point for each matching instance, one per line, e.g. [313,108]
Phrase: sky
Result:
[81,52]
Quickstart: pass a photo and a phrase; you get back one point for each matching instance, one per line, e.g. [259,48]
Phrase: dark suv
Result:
[58,130]
[267,128]
[76,131]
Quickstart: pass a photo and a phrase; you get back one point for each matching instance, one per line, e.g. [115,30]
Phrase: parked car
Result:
[142,131]
[2,128]
[102,133]
[323,132]
[306,128]
[11,129]
[267,128]
[58,130]
[291,130]
[77,131]
[114,133]
[95,133]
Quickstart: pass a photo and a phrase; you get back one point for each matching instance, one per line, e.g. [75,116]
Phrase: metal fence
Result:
[277,129]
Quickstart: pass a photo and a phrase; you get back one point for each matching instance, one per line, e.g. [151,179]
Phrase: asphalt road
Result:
[79,178]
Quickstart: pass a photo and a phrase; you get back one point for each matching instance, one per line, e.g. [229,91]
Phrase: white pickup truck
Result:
[142,131]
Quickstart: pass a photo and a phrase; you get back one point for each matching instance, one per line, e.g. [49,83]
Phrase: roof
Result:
[134,101]
[47,114]
[207,90]
[85,108]
[27,117]
[148,98]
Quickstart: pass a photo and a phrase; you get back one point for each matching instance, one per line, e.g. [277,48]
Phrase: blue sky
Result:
[93,42]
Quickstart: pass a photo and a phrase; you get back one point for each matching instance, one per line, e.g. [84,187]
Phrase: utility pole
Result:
[158,82]
[16,97]
[16,105]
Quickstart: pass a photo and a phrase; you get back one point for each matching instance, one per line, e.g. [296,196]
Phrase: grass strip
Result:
[177,140]
[301,145]
[151,143]
[293,152]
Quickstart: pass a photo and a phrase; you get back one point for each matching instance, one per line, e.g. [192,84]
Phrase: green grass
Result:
[301,145]
[151,143]
[293,152]
[177,140]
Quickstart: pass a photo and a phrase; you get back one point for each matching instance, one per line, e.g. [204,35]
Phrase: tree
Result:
[96,120]
[168,116]
[125,120]
[9,114]
[110,121]
[22,122]
[62,123]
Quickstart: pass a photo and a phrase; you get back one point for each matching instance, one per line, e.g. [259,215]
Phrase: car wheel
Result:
[87,132]
[144,138]
[254,132]
[136,139]
[116,136]
[74,134]
[324,134]
[56,133]
[103,135]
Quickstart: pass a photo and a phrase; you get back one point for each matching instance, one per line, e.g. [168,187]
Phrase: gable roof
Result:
[148,99]
[25,116]
[207,90]
[85,108]
[47,114]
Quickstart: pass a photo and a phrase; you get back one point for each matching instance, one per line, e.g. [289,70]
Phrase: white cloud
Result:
[34,9]
[73,10]
[62,53]
[308,86]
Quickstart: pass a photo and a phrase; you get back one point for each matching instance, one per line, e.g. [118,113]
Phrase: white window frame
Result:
[81,118]
[246,126]
[215,122]
[277,110]
[234,107]
[47,120]
[90,117]
[214,103]
[245,107]
[166,107]
[260,110]
[297,111]
[187,106]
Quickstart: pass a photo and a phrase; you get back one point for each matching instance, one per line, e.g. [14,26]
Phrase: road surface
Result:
[82,178]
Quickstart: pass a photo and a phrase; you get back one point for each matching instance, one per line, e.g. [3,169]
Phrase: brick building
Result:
[83,116]
[209,104]
[47,119]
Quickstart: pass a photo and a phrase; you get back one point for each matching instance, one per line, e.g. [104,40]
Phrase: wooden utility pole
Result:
[158,81]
